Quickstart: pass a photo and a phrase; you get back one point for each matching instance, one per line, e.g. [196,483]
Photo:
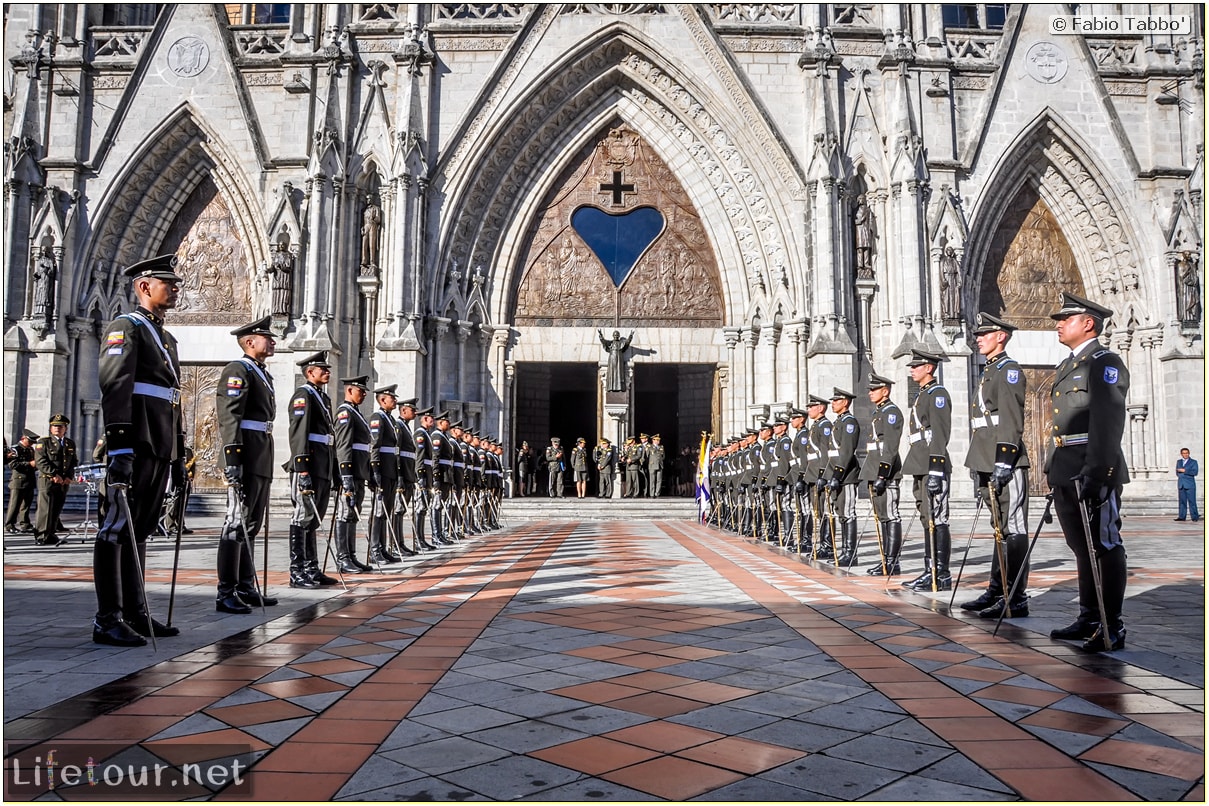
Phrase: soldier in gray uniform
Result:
[352,455]
[842,478]
[606,464]
[883,470]
[644,477]
[928,462]
[384,471]
[656,454]
[556,464]
[630,457]
[1000,461]
[579,467]
[56,458]
[311,466]
[245,405]
[1087,466]
[818,463]
[23,483]
[139,374]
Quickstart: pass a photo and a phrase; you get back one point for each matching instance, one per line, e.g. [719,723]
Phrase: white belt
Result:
[407,454]
[388,449]
[459,464]
[812,457]
[1070,439]
[832,454]
[873,446]
[162,392]
[985,422]
[919,435]
[323,439]
[361,446]
[256,425]
[444,461]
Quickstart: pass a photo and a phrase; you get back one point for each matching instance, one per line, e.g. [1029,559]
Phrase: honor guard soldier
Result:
[579,467]
[656,455]
[311,466]
[23,483]
[457,509]
[384,470]
[782,488]
[882,471]
[644,479]
[442,455]
[426,504]
[554,468]
[630,457]
[928,462]
[408,496]
[842,478]
[245,405]
[352,454]
[1000,461]
[1086,469]
[606,465]
[817,463]
[762,458]
[803,520]
[139,374]
[55,458]
[749,481]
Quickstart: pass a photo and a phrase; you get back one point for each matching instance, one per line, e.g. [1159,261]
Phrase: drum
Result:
[85,473]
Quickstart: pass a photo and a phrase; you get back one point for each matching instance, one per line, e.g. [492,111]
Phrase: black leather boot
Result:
[826,548]
[944,550]
[310,546]
[892,532]
[246,588]
[299,576]
[134,608]
[351,542]
[111,630]
[344,562]
[228,600]
[847,557]
[109,627]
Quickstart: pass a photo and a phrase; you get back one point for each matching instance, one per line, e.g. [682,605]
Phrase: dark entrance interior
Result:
[675,401]
[556,400]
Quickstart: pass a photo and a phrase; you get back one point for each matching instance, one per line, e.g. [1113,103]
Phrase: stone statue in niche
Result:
[862,224]
[615,378]
[45,275]
[1189,277]
[950,285]
[281,269]
[371,233]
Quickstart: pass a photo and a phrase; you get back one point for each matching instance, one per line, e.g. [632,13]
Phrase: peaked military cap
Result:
[656,436]
[781,419]
[879,381]
[410,403]
[258,328]
[841,394]
[985,323]
[25,432]
[815,400]
[161,268]
[318,359]
[1072,305]
[921,357]
[643,436]
[60,419]
[360,381]
[796,412]
[456,424]
[423,412]
[605,440]
[444,415]
[555,441]
[387,390]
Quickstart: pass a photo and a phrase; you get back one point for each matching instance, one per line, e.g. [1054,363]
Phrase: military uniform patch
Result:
[1013,376]
[1111,375]
[940,402]
[234,386]
[850,428]
[299,405]
[115,343]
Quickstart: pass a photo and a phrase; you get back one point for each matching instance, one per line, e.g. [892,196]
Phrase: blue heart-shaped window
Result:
[618,239]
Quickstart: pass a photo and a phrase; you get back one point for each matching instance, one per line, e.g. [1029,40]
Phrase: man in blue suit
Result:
[1185,472]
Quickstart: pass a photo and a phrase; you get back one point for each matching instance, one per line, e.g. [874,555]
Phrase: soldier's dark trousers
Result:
[117,568]
[1105,523]
[20,499]
[51,498]
[229,556]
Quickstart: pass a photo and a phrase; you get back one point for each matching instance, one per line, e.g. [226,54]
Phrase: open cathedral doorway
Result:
[675,401]
[556,400]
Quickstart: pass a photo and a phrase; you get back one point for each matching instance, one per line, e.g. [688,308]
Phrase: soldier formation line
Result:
[795,481]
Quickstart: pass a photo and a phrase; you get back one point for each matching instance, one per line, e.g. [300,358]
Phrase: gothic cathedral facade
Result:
[473,200]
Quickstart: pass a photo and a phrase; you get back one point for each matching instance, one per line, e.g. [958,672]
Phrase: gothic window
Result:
[257,13]
[981,16]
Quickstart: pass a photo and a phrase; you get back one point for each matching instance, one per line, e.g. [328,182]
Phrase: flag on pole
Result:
[703,490]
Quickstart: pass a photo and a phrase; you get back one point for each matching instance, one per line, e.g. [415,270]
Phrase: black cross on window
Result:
[616,188]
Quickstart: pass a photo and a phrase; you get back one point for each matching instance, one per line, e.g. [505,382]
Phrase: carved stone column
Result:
[731,415]
[767,370]
[460,334]
[369,285]
[751,339]
[1138,414]
[619,414]
[90,429]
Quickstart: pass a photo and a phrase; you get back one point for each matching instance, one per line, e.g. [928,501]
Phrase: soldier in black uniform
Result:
[842,478]
[425,476]
[883,470]
[384,463]
[56,458]
[1000,461]
[443,457]
[817,463]
[245,405]
[1087,467]
[555,465]
[408,496]
[656,455]
[782,487]
[803,525]
[139,374]
[352,455]
[22,484]
[311,466]
[928,462]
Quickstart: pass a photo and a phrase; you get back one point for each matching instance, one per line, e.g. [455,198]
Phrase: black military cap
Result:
[30,435]
[161,268]
[796,412]
[751,432]
[318,359]
[387,390]
[60,419]
[443,415]
[454,425]
[841,394]
[258,328]
[766,426]
[985,323]
[1072,305]
[921,357]
[410,403]
[815,400]
[423,412]
[879,381]
[360,381]
[781,419]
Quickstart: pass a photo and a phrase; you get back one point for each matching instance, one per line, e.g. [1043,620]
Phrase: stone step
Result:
[598,509]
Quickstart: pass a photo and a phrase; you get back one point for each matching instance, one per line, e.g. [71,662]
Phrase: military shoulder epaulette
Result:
[1102,352]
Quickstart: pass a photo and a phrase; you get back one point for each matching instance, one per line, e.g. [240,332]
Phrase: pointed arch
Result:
[617,75]
[1070,179]
[146,198]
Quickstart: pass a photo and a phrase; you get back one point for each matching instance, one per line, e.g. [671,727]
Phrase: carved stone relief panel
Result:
[674,278]
[198,382]
[1028,265]
[213,262]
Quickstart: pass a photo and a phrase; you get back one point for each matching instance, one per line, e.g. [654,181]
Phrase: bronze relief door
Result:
[198,382]
[1037,424]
